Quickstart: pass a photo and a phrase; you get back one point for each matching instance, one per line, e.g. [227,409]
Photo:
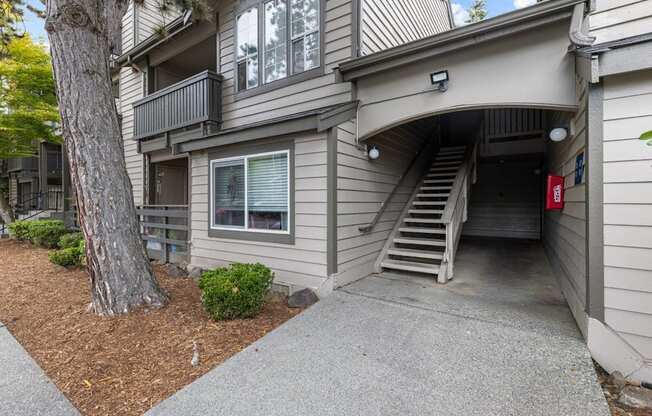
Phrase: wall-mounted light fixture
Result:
[373,153]
[440,80]
[558,134]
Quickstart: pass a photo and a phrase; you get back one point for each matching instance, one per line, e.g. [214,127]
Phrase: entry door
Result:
[170,184]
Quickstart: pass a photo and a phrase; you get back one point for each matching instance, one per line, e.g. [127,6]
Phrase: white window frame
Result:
[303,36]
[245,159]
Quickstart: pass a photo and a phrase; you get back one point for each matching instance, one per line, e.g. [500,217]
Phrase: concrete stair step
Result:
[422,220]
[435,188]
[450,175]
[421,230]
[421,254]
[436,181]
[426,211]
[420,242]
[429,203]
[446,163]
[410,266]
[434,195]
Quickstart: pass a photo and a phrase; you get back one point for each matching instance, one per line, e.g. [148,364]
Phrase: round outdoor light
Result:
[374,153]
[558,134]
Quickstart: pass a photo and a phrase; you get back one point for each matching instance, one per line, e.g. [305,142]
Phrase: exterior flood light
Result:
[440,80]
[558,134]
[374,153]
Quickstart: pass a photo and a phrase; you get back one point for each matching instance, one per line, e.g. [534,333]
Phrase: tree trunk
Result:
[81,33]
[6,213]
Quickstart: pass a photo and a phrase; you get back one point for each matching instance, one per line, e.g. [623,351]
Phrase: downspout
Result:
[578,31]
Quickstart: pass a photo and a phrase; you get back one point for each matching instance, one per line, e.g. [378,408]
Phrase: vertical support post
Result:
[166,255]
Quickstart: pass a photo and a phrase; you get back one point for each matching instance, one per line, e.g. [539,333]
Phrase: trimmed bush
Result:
[19,230]
[44,233]
[70,256]
[71,240]
[237,291]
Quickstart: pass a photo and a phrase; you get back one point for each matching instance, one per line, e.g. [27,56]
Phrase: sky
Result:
[494,8]
[34,25]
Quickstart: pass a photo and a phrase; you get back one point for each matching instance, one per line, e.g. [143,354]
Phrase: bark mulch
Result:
[611,393]
[123,365]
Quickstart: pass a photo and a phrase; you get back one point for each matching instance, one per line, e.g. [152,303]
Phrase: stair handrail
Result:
[367,228]
[456,210]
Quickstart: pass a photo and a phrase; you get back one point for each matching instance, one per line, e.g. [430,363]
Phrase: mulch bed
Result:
[611,393]
[123,365]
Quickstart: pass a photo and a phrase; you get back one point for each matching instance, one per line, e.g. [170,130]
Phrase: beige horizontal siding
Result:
[131,89]
[316,93]
[628,208]
[362,186]
[389,23]
[565,231]
[619,19]
[301,264]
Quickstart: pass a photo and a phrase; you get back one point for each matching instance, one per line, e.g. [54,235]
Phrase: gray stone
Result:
[173,270]
[24,387]
[638,397]
[195,272]
[617,380]
[302,299]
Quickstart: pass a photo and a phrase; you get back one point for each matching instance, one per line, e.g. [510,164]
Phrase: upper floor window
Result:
[288,32]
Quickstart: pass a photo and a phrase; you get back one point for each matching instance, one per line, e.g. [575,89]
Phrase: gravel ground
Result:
[123,365]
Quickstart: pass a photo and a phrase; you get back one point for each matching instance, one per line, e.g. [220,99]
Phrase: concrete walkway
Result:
[498,340]
[24,387]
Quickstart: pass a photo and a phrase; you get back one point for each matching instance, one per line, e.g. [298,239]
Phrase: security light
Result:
[440,80]
[374,153]
[558,134]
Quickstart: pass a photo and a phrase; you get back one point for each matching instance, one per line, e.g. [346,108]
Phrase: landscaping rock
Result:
[617,380]
[302,299]
[637,397]
[195,272]
[173,270]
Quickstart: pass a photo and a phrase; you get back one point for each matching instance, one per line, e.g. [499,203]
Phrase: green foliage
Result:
[19,230]
[477,11]
[72,253]
[71,240]
[27,95]
[237,291]
[43,233]
[647,137]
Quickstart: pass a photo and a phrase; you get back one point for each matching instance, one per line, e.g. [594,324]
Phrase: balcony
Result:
[22,164]
[187,103]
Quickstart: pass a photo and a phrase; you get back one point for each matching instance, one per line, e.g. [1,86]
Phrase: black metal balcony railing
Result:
[192,101]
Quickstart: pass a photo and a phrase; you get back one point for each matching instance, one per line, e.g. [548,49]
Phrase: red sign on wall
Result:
[555,193]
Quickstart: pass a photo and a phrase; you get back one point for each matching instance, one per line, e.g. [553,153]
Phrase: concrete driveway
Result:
[498,340]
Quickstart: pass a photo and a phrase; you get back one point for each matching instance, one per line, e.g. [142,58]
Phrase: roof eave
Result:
[540,14]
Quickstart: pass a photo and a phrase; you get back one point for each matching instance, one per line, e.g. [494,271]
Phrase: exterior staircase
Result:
[426,234]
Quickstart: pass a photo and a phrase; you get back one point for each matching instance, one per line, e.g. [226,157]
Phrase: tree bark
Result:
[6,213]
[82,35]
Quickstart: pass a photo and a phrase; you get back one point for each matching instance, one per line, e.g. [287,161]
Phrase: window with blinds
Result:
[251,192]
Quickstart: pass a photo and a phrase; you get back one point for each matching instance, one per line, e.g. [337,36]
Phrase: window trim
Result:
[290,78]
[242,151]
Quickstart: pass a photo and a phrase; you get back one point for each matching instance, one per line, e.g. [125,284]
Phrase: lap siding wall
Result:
[565,231]
[628,209]
[302,264]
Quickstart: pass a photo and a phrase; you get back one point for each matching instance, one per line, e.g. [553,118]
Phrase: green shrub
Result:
[70,256]
[70,240]
[19,230]
[46,233]
[237,291]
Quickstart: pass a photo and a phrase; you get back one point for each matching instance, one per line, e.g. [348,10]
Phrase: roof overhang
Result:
[525,19]
[616,57]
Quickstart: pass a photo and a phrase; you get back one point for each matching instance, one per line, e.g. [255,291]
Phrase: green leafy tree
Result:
[27,99]
[28,105]
[647,137]
[477,11]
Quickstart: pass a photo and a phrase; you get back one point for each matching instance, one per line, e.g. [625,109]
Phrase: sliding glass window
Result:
[251,193]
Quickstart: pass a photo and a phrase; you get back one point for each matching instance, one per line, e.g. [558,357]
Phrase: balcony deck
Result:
[190,102]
